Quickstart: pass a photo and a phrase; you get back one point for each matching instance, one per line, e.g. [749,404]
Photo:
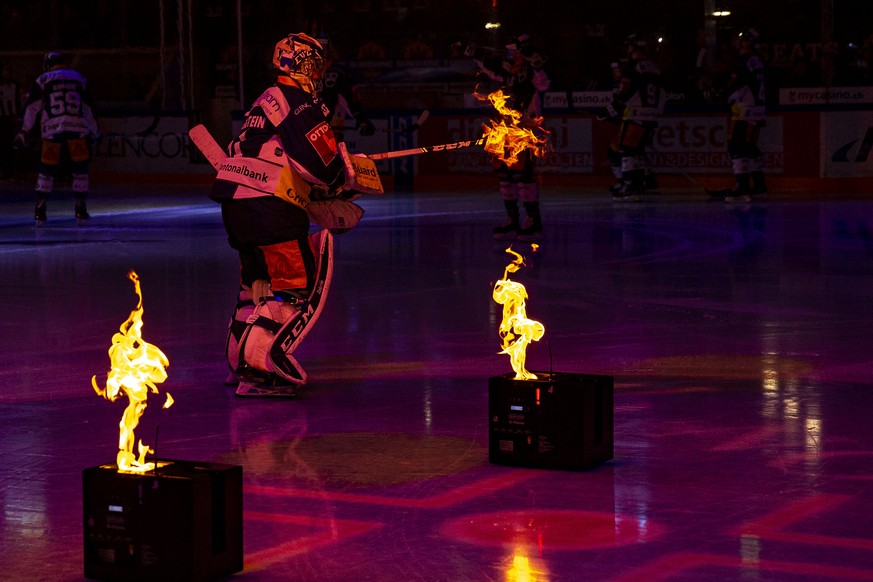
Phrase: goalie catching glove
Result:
[336,211]
[338,215]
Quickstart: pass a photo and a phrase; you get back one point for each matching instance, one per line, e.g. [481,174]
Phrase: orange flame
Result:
[136,367]
[514,133]
[516,330]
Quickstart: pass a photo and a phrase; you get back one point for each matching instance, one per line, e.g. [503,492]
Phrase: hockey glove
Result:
[336,215]
[608,113]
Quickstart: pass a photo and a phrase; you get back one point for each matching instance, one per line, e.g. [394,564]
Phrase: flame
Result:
[136,367]
[516,330]
[514,133]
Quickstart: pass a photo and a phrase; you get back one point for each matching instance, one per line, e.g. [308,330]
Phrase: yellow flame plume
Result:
[514,133]
[516,330]
[136,366]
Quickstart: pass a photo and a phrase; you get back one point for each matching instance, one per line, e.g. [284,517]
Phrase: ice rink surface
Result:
[739,338]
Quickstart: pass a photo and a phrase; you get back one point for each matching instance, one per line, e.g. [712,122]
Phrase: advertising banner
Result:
[147,145]
[846,143]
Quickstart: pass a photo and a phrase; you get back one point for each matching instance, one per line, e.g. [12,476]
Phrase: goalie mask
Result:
[301,57]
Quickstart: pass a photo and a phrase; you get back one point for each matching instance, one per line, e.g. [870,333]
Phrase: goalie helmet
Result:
[52,60]
[301,57]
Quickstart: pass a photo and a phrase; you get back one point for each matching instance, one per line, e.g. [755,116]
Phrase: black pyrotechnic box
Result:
[181,522]
[558,421]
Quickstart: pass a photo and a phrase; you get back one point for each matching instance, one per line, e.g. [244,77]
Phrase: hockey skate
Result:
[39,215]
[506,231]
[738,196]
[531,231]
[82,215]
[271,387]
[628,193]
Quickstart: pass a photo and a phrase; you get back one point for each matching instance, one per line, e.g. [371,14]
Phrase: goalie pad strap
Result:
[267,323]
[237,327]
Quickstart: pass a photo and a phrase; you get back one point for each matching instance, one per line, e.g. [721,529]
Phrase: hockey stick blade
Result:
[420,120]
[207,145]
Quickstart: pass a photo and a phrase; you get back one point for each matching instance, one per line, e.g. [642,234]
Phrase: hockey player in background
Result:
[285,160]
[521,75]
[746,98]
[60,101]
[639,102]
[337,90]
[611,114]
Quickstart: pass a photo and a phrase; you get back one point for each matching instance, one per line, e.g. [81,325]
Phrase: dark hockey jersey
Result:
[286,132]
[60,101]
[640,93]
[747,95]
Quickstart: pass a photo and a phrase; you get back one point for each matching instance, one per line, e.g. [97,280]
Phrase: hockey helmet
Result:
[749,35]
[520,43]
[635,42]
[522,48]
[299,56]
[52,60]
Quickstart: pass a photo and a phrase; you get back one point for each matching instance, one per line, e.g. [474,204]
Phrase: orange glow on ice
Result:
[516,330]
[136,367]
[508,138]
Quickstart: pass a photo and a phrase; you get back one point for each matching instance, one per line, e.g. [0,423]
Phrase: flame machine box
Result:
[181,522]
[558,421]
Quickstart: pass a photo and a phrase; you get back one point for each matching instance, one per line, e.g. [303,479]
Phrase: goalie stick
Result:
[207,145]
[426,150]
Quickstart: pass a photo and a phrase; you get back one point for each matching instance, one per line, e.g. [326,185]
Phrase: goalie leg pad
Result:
[275,328]
[265,322]
[294,330]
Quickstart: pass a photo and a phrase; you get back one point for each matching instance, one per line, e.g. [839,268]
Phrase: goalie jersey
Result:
[285,136]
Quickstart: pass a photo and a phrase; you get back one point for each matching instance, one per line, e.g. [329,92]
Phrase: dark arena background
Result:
[705,374]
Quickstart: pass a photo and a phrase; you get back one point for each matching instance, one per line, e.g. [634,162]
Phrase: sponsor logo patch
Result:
[322,139]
